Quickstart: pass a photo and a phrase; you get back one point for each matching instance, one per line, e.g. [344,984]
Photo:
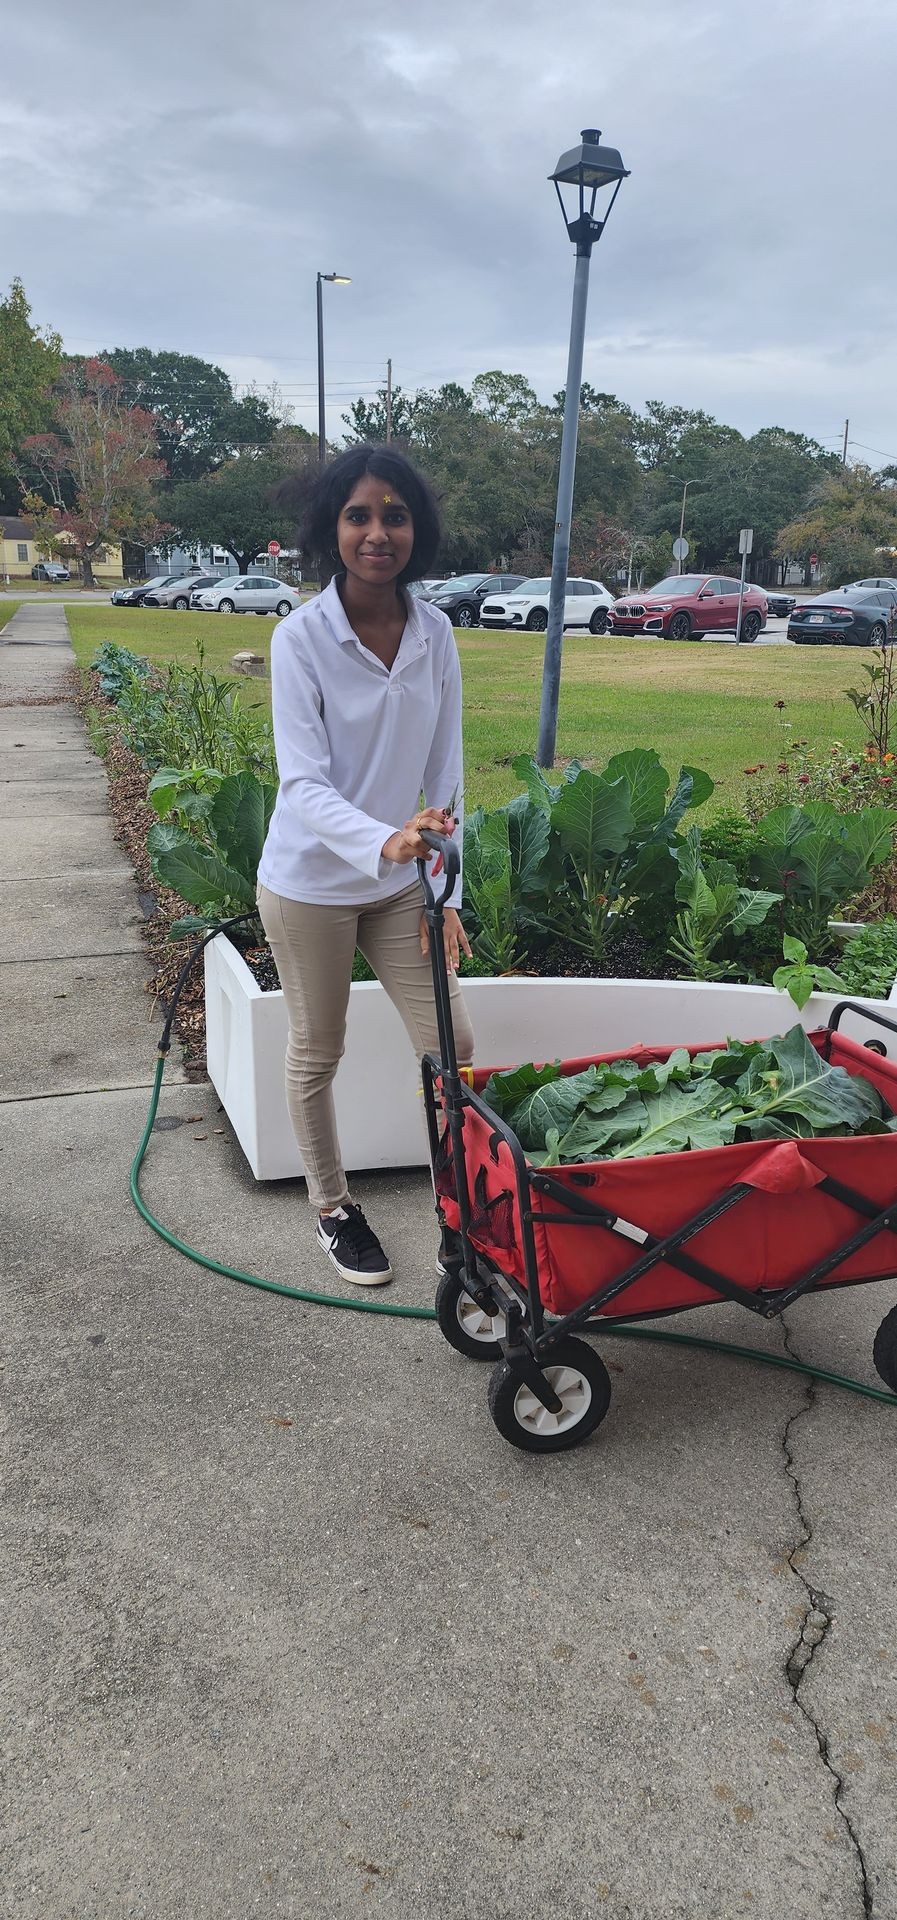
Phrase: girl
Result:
[366,691]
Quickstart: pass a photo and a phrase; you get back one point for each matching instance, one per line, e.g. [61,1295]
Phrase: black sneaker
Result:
[354,1249]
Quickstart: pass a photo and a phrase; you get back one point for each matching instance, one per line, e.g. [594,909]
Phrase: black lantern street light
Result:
[587,169]
[339,280]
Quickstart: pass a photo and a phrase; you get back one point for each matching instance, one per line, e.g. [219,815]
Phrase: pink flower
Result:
[803,779]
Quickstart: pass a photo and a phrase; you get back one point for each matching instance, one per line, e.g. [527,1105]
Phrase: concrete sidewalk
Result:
[290,1630]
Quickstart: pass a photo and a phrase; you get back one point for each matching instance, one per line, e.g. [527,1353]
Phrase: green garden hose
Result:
[365,1305]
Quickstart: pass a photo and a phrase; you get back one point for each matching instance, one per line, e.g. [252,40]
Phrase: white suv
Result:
[585,605]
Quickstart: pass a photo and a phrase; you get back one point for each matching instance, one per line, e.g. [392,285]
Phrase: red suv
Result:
[689,605]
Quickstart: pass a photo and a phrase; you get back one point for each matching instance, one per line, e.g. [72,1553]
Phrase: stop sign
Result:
[273,546]
[814,559]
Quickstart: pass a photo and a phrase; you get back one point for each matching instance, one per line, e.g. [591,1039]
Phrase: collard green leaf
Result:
[795,1080]
[593,819]
[645,780]
[540,790]
[200,877]
[504,1091]
[237,821]
[548,1106]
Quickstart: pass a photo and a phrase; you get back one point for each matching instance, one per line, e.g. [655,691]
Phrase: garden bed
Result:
[378,1105]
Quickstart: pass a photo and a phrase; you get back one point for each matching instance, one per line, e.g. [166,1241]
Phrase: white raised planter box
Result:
[378,1106]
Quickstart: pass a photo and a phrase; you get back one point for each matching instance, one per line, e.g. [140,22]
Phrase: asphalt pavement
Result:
[289,1629]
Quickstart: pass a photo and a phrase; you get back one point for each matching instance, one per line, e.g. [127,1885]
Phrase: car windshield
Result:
[465,583]
[680,583]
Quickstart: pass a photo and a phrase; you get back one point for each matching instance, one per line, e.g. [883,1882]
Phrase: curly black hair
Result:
[318,496]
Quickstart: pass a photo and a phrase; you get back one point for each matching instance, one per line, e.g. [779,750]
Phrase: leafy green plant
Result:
[873,703]
[713,908]
[778,1090]
[504,879]
[869,963]
[732,837]
[611,837]
[801,976]
[214,867]
[817,858]
[115,666]
[188,793]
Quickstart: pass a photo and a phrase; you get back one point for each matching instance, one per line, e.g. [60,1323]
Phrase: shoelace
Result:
[356,1231]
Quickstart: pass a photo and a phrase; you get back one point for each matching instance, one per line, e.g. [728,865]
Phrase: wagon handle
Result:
[866,1013]
[451,861]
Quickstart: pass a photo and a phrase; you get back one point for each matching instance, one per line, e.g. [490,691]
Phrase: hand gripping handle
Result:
[451,861]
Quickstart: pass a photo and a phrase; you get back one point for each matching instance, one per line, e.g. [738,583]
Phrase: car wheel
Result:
[750,626]
[537,621]
[464,617]
[878,634]
[282,608]
[598,622]
[225,606]
[679,627]
[180,604]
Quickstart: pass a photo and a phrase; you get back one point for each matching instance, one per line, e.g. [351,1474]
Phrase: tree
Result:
[367,419]
[233,507]
[850,514]
[201,423]
[99,471]
[29,364]
[506,398]
[760,483]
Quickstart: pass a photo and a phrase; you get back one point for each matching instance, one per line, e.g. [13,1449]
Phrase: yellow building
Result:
[19,552]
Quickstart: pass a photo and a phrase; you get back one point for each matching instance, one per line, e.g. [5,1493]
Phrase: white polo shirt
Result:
[356,745]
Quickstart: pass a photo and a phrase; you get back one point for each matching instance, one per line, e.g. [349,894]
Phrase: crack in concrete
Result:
[815,1626]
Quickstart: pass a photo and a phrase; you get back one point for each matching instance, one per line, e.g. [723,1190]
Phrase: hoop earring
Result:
[334,554]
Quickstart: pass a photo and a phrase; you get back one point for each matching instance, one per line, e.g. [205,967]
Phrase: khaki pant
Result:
[313,948]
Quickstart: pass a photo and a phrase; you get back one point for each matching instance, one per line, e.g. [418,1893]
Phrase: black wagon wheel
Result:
[750,626]
[884,1350]
[464,617]
[680,627]
[537,621]
[598,622]
[466,1327]
[581,1381]
[878,634]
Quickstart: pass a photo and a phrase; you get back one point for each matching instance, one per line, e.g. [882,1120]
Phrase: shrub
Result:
[869,963]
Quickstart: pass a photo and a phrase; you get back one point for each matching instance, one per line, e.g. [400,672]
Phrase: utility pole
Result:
[844,454]
[388,401]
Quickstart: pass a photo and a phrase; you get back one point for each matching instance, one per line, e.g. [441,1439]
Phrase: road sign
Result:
[745,539]
[680,549]
[273,546]
[814,559]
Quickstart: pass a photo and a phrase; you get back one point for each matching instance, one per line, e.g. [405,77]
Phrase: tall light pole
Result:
[586,168]
[338,280]
[682,523]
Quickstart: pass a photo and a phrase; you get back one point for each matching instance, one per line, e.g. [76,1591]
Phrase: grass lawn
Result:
[7,609]
[703,703]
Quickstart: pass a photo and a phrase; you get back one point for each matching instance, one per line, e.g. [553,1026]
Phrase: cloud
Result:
[179,183]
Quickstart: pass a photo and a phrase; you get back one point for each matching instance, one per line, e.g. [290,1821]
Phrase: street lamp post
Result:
[339,280]
[682,523]
[586,168]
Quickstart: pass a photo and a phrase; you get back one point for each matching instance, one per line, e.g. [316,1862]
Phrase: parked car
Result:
[179,593]
[586,604]
[778,602]
[881,580]
[134,596]
[425,588]
[849,617]
[686,606]
[249,593]
[50,570]
[462,596]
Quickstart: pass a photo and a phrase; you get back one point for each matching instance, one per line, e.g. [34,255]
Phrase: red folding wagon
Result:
[533,1256]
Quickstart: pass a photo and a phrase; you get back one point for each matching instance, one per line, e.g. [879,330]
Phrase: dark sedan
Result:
[462,597]
[779,602]
[851,617]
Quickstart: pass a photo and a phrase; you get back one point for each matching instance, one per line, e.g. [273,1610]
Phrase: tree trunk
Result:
[87,579]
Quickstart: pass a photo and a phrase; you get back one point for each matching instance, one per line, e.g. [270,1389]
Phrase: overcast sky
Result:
[175,174]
